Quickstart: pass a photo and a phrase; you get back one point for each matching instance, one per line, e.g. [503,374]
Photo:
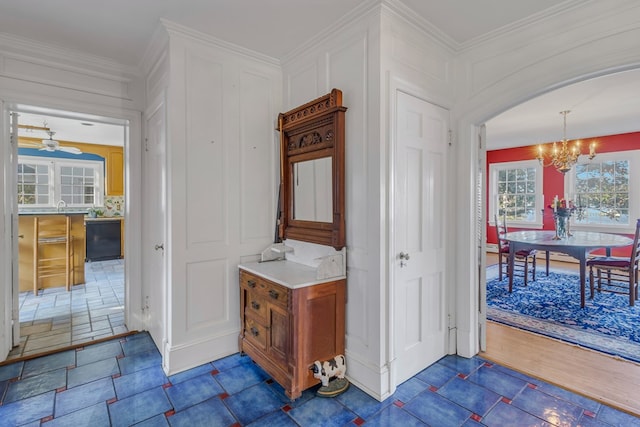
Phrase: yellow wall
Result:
[114,162]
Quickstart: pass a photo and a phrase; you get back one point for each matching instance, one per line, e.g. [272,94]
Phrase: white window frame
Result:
[54,164]
[633,156]
[494,170]
[39,161]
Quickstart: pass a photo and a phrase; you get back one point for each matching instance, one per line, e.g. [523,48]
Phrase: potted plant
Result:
[94,212]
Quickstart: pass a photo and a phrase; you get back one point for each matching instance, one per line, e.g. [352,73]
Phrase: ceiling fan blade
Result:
[30,144]
[72,150]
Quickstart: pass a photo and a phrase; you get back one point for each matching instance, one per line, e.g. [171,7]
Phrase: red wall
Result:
[553,181]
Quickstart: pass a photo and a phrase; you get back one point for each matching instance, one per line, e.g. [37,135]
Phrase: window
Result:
[77,185]
[43,182]
[603,190]
[516,192]
[33,183]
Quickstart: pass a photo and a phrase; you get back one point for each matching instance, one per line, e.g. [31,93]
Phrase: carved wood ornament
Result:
[312,131]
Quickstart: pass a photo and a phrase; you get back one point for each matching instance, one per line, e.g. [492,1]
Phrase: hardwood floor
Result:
[592,374]
[596,375]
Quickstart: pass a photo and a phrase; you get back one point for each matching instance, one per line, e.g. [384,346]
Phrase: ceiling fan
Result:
[53,145]
[49,144]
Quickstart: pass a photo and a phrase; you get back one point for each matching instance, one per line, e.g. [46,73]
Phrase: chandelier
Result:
[564,157]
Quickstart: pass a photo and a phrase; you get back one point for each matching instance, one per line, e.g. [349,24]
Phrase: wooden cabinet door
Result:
[278,347]
[115,172]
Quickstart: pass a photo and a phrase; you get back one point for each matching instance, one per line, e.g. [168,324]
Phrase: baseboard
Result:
[190,355]
[371,379]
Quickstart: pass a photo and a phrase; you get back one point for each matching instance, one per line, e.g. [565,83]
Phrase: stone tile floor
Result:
[55,318]
[120,382]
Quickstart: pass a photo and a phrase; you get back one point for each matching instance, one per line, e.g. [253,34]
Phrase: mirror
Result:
[312,172]
[312,190]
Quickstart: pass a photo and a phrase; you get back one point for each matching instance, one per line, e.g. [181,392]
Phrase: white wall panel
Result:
[258,164]
[433,62]
[347,64]
[207,302]
[50,74]
[303,84]
[358,315]
[207,166]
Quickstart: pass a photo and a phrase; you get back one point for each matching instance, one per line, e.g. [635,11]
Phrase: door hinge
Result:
[450,137]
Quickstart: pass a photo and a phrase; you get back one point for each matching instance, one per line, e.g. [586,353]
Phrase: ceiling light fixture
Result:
[565,157]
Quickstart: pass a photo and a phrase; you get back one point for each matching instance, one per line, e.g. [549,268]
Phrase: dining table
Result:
[578,245]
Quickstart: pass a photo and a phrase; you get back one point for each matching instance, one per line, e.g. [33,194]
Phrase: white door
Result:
[420,310]
[154,223]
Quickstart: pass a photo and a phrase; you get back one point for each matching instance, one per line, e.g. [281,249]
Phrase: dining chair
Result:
[621,272]
[522,259]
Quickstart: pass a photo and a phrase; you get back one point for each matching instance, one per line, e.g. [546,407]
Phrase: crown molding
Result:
[175,29]
[403,11]
[64,58]
[409,15]
[529,21]
[361,10]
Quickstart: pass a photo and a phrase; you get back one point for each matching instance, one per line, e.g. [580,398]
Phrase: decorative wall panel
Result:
[207,166]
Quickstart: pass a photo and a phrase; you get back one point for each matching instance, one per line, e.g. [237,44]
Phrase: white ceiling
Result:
[602,106]
[120,30]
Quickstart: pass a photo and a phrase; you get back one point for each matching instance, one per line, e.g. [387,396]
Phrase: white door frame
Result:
[396,86]
[155,250]
[132,122]
[481,233]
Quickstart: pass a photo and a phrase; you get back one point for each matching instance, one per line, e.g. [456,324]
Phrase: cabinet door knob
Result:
[251,283]
[255,305]
[160,246]
[273,294]
[254,331]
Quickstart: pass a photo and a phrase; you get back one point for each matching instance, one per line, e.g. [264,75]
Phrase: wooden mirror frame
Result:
[312,131]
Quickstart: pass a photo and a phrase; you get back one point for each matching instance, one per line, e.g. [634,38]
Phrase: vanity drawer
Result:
[256,306]
[272,292]
[256,333]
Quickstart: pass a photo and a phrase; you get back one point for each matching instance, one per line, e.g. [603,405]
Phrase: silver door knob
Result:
[160,246]
[404,256]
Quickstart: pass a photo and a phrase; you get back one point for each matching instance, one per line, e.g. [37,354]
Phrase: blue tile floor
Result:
[120,382]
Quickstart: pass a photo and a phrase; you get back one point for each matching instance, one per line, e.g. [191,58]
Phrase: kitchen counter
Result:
[68,213]
[104,218]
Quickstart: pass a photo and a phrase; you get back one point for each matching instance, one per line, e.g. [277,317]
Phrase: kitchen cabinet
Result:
[287,324]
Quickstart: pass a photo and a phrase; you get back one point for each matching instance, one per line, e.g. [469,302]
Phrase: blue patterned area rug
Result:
[550,306]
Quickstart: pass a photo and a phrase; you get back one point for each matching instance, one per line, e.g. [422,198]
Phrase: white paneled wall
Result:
[222,179]
[360,59]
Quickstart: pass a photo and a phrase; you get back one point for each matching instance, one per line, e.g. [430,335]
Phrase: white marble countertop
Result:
[293,275]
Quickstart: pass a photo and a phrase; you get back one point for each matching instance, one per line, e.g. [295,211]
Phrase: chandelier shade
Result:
[563,156]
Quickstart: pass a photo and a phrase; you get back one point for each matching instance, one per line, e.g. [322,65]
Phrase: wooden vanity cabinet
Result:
[285,330]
